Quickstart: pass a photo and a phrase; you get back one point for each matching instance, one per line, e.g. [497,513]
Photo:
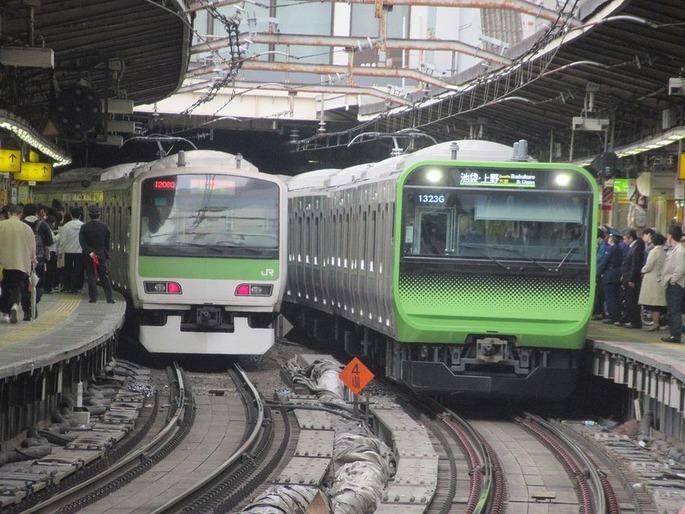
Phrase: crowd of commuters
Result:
[48,250]
[641,274]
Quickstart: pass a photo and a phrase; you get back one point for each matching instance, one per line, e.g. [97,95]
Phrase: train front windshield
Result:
[498,215]
[209,216]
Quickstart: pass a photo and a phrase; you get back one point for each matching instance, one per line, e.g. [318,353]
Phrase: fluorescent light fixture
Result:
[112,140]
[27,57]
[28,135]
[121,126]
[118,106]
[666,138]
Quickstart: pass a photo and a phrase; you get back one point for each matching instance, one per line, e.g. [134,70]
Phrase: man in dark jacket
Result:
[95,239]
[631,277]
[609,270]
[44,239]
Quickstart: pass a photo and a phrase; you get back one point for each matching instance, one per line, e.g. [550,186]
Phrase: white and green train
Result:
[461,268]
[198,248]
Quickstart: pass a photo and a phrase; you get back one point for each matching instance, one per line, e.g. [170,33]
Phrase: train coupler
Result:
[491,349]
[209,317]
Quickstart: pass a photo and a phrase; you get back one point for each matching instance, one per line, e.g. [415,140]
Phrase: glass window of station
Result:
[478,213]
[209,216]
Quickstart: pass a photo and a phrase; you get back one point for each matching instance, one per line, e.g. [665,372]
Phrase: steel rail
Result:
[143,453]
[590,483]
[244,448]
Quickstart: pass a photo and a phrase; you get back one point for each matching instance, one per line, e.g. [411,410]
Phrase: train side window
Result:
[364,235]
[374,240]
[316,245]
[291,231]
[299,238]
[348,243]
[119,235]
[307,239]
[341,246]
[113,225]
[381,250]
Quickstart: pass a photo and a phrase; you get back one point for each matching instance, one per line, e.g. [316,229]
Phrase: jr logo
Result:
[267,273]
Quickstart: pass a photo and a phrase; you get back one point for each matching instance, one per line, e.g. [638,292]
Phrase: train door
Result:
[297,256]
[385,260]
[316,258]
[325,264]
[336,259]
[346,262]
[354,258]
[374,281]
[307,256]
[361,284]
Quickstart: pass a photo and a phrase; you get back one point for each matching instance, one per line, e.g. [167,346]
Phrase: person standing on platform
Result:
[652,292]
[600,309]
[70,246]
[631,278]
[94,237]
[44,240]
[647,236]
[609,270]
[51,264]
[18,256]
[673,278]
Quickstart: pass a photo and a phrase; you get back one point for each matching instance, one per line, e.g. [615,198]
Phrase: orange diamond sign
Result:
[356,376]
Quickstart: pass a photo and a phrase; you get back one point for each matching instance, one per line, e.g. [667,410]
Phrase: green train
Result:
[462,268]
[198,247]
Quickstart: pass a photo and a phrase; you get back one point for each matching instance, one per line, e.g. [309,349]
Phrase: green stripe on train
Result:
[213,269]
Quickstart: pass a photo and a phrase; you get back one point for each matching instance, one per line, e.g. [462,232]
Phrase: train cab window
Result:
[209,216]
[497,223]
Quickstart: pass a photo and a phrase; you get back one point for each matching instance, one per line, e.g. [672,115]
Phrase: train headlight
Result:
[563,179]
[434,176]
[162,287]
[254,290]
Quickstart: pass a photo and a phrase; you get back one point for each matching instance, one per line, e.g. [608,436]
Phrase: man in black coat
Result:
[94,238]
[43,233]
[631,277]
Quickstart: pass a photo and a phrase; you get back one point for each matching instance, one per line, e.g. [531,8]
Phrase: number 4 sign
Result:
[356,376]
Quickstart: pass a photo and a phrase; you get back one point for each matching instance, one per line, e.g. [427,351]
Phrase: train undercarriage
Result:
[482,366]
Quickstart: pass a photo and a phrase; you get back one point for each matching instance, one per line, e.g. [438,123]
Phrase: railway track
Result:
[519,464]
[122,467]
[208,452]
[216,443]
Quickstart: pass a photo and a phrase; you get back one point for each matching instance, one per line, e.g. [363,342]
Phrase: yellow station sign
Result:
[10,161]
[35,171]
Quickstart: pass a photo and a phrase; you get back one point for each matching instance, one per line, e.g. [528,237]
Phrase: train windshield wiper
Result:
[485,254]
[574,246]
[518,252]
[238,249]
[198,245]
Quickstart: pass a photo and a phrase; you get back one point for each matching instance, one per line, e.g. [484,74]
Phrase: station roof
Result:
[52,51]
[619,60]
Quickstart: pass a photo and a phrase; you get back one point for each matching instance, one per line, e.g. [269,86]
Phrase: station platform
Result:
[69,341]
[67,325]
[72,340]
[652,371]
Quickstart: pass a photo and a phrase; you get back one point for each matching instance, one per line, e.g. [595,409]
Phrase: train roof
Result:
[77,175]
[466,150]
[199,158]
[119,171]
[309,179]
